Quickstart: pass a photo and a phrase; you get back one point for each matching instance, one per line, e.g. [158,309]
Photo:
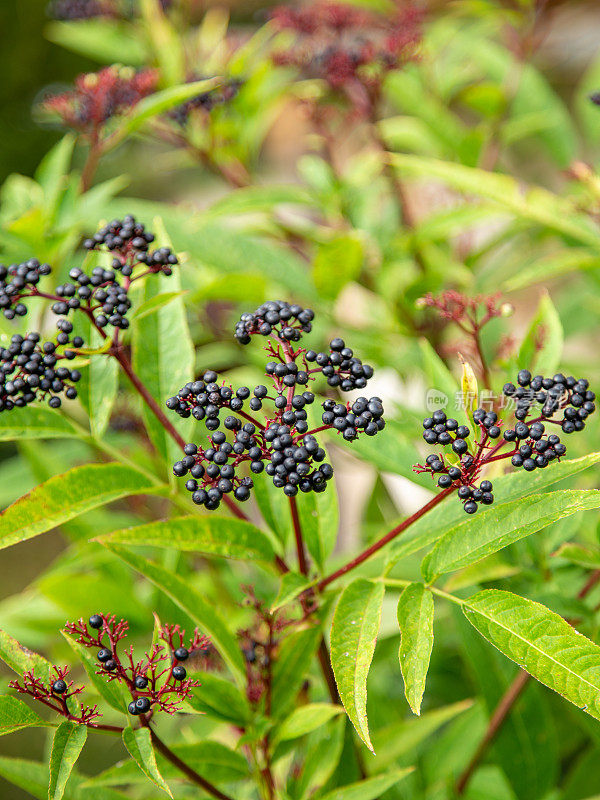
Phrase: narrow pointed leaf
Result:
[35,423]
[541,642]
[415,617]
[474,539]
[139,746]
[293,662]
[212,535]
[369,789]
[15,715]
[193,603]
[66,496]
[67,745]
[353,635]
[515,485]
[307,718]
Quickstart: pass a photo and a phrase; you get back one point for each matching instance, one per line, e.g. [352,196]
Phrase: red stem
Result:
[302,563]
[362,557]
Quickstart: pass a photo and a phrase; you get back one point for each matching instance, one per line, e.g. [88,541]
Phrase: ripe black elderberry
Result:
[96,621]
[59,687]
[128,242]
[17,280]
[275,317]
[141,682]
[181,653]
[30,371]
[341,367]
[179,673]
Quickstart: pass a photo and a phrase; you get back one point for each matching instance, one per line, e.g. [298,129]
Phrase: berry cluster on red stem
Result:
[57,695]
[282,445]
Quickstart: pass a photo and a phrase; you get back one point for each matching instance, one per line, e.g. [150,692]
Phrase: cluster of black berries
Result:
[213,470]
[30,371]
[283,447]
[206,101]
[275,317]
[341,367]
[15,281]
[128,241]
[569,394]
[532,447]
[99,292]
[364,414]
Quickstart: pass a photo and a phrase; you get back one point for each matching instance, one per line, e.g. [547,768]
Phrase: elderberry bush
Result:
[280,442]
[561,401]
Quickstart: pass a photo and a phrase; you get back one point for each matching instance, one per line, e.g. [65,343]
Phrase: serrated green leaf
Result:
[15,715]
[370,788]
[20,659]
[305,719]
[415,617]
[212,535]
[67,744]
[449,513]
[541,642]
[541,349]
[138,742]
[193,603]
[474,539]
[86,487]
[353,635]
[35,422]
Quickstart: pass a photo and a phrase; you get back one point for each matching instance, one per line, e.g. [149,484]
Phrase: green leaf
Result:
[305,719]
[15,715]
[220,699]
[370,788]
[323,754]
[541,642]
[449,513]
[474,539]
[86,487]
[541,349]
[35,422]
[582,556]
[158,103]
[67,744]
[533,204]
[293,662]
[253,199]
[336,263]
[210,759]
[138,742]
[52,173]
[415,617]
[353,635]
[555,265]
[112,692]
[212,535]
[20,659]
[98,386]
[102,40]
[292,584]
[154,304]
[163,352]
[194,604]
[167,44]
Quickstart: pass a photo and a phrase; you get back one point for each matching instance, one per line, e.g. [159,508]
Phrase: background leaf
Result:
[415,617]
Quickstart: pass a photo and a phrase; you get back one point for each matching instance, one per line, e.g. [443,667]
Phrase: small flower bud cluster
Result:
[99,96]
[32,371]
[17,280]
[341,367]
